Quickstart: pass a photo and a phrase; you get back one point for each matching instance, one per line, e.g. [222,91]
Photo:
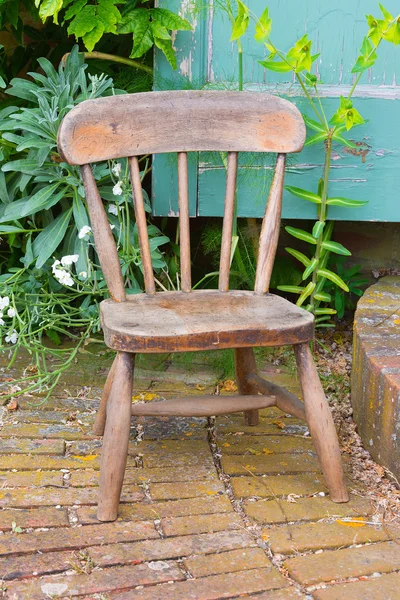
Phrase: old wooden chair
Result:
[184,121]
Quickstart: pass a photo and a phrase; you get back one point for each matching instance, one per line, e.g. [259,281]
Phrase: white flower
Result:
[1,320]
[12,337]
[117,189]
[113,209]
[55,265]
[11,312]
[64,277]
[4,301]
[69,259]
[83,275]
[84,232]
[116,169]
[112,226]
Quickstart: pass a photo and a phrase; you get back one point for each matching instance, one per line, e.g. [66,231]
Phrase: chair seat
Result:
[203,320]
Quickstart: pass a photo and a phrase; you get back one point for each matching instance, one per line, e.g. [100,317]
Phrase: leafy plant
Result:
[298,60]
[89,20]
[43,216]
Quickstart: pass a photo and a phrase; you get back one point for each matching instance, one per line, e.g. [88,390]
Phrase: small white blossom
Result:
[55,265]
[11,312]
[1,319]
[112,209]
[84,232]
[12,337]
[83,275]
[4,301]
[68,260]
[112,226]
[64,277]
[117,189]
[116,169]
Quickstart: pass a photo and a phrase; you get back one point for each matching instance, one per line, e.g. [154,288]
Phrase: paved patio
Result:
[210,510]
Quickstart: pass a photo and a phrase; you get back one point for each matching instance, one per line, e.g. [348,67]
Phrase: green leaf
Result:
[310,269]
[166,47]
[314,124]
[318,229]
[323,297]
[339,138]
[308,290]
[74,9]
[91,38]
[49,8]
[325,311]
[304,194]
[300,234]
[23,166]
[314,139]
[336,248]
[142,34]
[299,255]
[49,239]
[170,20]
[159,31]
[291,289]
[346,202]
[241,22]
[84,22]
[333,277]
[385,13]
[263,27]
[279,67]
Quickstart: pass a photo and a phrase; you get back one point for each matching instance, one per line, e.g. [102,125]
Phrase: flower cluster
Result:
[61,271]
[12,335]
[117,189]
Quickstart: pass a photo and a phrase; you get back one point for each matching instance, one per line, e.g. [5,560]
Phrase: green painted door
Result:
[206,59]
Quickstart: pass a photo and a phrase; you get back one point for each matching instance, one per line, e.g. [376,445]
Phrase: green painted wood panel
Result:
[206,59]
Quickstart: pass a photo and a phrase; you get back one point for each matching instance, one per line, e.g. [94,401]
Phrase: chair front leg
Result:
[320,423]
[100,422]
[245,364]
[116,438]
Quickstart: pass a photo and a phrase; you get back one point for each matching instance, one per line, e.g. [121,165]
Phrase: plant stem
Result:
[114,58]
[240,61]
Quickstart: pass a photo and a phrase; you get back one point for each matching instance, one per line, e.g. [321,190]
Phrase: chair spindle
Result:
[184,227]
[103,237]
[226,245]
[141,224]
[270,229]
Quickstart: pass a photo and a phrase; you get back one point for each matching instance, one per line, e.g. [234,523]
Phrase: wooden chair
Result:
[184,121]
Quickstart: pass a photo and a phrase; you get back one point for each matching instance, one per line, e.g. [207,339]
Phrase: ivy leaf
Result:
[333,277]
[346,202]
[91,38]
[279,67]
[159,31]
[241,22]
[304,194]
[83,22]
[299,255]
[300,234]
[127,25]
[336,248]
[74,9]
[263,27]
[170,20]
[142,34]
[49,8]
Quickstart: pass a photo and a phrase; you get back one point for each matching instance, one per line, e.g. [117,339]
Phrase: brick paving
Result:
[210,509]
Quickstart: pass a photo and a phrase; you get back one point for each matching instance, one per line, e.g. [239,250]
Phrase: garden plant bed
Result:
[210,509]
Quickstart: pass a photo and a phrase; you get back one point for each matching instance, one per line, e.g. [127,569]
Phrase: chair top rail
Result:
[179,121]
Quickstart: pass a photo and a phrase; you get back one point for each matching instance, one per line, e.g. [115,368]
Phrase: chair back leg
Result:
[116,438]
[100,422]
[245,365]
[320,423]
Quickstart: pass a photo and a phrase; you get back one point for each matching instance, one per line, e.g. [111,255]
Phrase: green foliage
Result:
[90,20]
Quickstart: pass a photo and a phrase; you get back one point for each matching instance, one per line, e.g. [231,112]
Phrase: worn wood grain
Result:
[202,406]
[100,422]
[179,121]
[285,400]
[141,224]
[203,320]
[226,244]
[269,235]
[321,425]
[245,365]
[103,237]
[184,226]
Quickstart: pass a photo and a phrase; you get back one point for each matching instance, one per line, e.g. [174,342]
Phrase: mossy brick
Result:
[186,489]
[263,445]
[337,534]
[227,562]
[278,485]
[291,593]
[226,585]
[57,417]
[200,523]
[173,428]
[270,464]
[385,587]
[57,403]
[26,446]
[305,509]
[9,479]
[382,557]
[76,537]
[19,498]
[90,477]
[45,431]
[26,462]
[35,517]
[106,580]
[158,510]
[280,425]
[108,555]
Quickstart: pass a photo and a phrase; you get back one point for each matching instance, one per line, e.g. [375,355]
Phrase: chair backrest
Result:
[181,121]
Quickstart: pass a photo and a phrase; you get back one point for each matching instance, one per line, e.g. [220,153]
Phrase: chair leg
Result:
[100,422]
[320,423]
[116,438]
[245,364]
